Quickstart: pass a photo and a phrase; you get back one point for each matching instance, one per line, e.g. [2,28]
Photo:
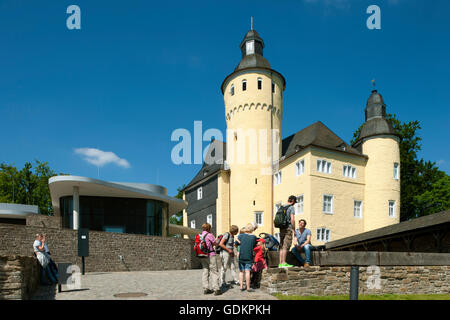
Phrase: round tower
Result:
[253,96]
[380,143]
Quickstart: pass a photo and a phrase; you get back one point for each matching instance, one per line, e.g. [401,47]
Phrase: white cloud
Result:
[100,158]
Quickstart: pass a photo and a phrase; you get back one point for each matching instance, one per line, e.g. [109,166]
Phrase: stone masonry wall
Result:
[321,281]
[19,277]
[139,252]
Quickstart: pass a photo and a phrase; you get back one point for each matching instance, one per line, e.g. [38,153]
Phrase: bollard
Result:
[354,282]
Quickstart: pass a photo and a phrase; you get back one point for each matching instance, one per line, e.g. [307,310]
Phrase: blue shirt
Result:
[301,238]
[248,242]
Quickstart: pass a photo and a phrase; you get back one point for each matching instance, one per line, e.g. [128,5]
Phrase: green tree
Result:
[417,175]
[26,186]
[435,199]
[177,218]
[9,183]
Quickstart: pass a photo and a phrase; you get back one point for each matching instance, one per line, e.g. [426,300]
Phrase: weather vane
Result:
[373,83]
[251,23]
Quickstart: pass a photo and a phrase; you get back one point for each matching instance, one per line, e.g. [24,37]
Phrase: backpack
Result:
[271,243]
[200,247]
[219,248]
[281,218]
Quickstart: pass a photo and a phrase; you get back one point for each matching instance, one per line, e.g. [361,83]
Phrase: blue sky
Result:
[138,70]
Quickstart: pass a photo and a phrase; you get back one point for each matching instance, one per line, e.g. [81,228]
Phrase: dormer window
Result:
[259,83]
[244,85]
[250,47]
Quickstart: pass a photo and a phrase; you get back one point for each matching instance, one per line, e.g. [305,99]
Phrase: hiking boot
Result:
[306,265]
[207,291]
[217,293]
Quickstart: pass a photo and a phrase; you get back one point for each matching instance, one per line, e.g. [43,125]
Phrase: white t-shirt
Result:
[36,244]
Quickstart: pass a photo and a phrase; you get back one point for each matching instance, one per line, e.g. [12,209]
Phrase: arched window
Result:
[232,90]
[244,85]
[273,87]
[259,83]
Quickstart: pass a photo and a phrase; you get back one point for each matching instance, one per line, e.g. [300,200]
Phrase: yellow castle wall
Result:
[381,186]
[249,112]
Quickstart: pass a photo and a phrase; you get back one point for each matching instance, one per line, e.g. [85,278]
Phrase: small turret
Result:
[380,143]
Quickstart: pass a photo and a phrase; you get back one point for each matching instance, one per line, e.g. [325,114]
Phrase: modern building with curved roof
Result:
[16,213]
[94,204]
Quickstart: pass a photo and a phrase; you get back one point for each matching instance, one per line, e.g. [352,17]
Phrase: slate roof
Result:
[214,162]
[317,135]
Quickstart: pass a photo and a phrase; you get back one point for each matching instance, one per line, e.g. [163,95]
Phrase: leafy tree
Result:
[435,199]
[417,175]
[177,218]
[26,186]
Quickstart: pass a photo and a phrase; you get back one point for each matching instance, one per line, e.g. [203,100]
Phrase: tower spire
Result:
[251,23]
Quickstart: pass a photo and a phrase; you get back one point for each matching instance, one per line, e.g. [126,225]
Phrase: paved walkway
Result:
[168,285]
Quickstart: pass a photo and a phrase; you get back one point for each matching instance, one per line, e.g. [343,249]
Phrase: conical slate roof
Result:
[376,123]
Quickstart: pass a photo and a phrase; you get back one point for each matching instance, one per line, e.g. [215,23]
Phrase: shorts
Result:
[245,266]
[286,238]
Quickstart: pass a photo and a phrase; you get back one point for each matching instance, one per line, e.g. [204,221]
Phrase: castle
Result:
[341,189]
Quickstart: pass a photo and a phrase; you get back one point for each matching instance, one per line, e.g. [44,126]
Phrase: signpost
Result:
[83,246]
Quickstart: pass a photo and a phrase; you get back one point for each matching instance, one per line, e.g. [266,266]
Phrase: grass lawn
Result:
[369,297]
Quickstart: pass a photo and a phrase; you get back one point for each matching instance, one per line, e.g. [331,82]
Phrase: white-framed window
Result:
[396,171]
[199,193]
[250,47]
[323,234]
[349,171]
[323,166]
[300,167]
[193,224]
[259,218]
[391,208]
[357,209]
[259,83]
[244,85]
[327,203]
[299,205]
[277,178]
[209,219]
[232,90]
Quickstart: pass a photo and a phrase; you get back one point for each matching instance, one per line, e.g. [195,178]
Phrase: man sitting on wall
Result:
[303,236]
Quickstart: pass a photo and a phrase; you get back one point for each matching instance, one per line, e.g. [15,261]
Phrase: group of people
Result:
[247,251]
[244,250]
[49,270]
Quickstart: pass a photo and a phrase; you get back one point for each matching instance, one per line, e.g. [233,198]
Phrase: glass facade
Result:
[124,215]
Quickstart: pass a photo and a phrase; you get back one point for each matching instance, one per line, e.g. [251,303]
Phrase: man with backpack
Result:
[225,248]
[285,221]
[210,262]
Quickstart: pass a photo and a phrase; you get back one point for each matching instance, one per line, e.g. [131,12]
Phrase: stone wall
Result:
[139,252]
[40,220]
[320,281]
[19,277]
